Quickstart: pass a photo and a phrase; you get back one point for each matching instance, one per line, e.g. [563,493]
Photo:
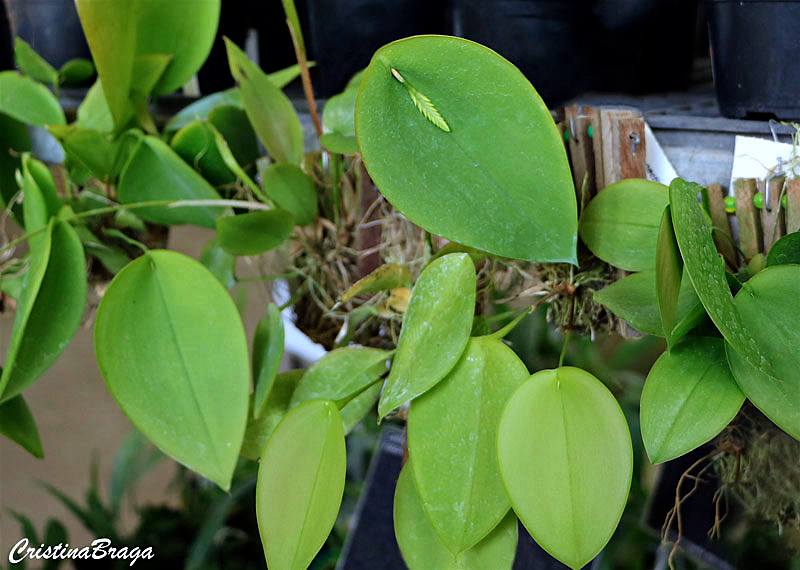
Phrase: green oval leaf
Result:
[688,398]
[270,111]
[461,490]
[155,172]
[267,353]
[258,430]
[499,180]
[196,145]
[770,312]
[300,484]
[339,143]
[254,232]
[634,299]
[75,71]
[17,424]
[421,547]
[28,101]
[706,269]
[341,374]
[172,351]
[292,190]
[785,250]
[436,328]
[338,116]
[31,63]
[38,181]
[50,310]
[620,225]
[566,459]
[91,148]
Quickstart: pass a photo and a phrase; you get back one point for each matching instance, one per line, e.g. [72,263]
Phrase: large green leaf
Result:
[300,484]
[634,299]
[110,30]
[566,459]
[436,328]
[28,100]
[270,111]
[254,232]
[689,396]
[235,128]
[155,172]
[293,190]
[342,373]
[461,489]
[706,269]
[422,548]
[620,225]
[196,145]
[258,430]
[173,353]
[90,147]
[50,310]
[17,424]
[94,112]
[785,250]
[31,63]
[186,31]
[267,353]
[770,312]
[457,139]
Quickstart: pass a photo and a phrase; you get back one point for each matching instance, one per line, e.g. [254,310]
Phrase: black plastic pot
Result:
[345,33]
[754,47]
[52,27]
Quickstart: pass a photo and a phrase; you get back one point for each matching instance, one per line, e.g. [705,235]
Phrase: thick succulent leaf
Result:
[422,548]
[566,459]
[270,111]
[436,328]
[267,353]
[220,263]
[91,148]
[620,225]
[341,374]
[172,351]
[28,101]
[706,269]
[258,430]
[689,397]
[785,250]
[17,424]
[50,310]
[634,298]
[769,310]
[292,190]
[254,232]
[31,63]
[155,172]
[461,489]
[300,484]
[184,31]
[497,178]
[384,278]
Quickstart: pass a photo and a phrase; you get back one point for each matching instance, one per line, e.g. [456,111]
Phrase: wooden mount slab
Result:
[750,235]
[772,219]
[719,217]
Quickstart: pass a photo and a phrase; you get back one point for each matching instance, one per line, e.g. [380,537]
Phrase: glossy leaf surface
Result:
[50,310]
[689,397]
[28,101]
[436,328]
[267,353]
[342,373]
[258,430]
[339,143]
[785,250]
[300,484]
[461,488]
[271,113]
[195,144]
[421,547]
[769,310]
[566,459]
[172,351]
[292,190]
[499,180]
[17,424]
[155,172]
[254,232]
[620,225]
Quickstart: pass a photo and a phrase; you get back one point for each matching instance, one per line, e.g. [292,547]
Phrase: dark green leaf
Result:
[14,140]
[255,232]
[499,180]
[75,71]
[292,190]
[112,258]
[18,425]
[268,344]
[276,406]
[689,397]
[196,144]
[785,250]
[164,369]
[220,263]
[436,328]
[339,143]
[235,128]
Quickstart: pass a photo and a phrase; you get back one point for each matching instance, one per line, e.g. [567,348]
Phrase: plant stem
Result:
[306,78]
[564,348]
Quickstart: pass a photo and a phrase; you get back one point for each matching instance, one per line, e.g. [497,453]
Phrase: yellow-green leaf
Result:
[17,424]
[384,278]
[254,232]
[267,353]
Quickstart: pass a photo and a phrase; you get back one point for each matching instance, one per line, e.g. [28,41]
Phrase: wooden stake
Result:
[772,224]
[720,220]
[793,206]
[750,235]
